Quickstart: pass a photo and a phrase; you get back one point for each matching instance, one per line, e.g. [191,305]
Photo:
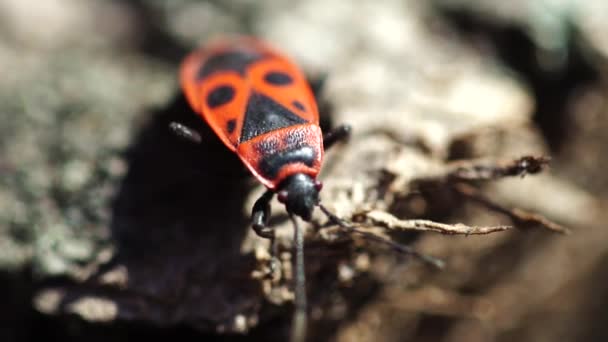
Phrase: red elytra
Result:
[259,104]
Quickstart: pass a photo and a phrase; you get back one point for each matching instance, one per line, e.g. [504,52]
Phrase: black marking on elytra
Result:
[270,165]
[278,78]
[264,115]
[220,95]
[235,60]
[299,105]
[267,147]
[231,125]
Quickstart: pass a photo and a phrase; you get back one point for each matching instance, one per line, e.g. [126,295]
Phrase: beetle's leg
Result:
[259,221]
[260,215]
[185,132]
[339,133]
[317,83]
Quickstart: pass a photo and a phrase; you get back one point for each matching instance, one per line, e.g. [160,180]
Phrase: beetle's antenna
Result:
[298,328]
[398,247]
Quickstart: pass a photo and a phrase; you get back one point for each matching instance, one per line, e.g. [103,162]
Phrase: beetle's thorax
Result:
[284,153]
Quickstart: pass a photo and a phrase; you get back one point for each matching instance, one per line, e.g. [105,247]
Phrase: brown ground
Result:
[112,229]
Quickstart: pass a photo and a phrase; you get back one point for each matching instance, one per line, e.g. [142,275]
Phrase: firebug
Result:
[259,103]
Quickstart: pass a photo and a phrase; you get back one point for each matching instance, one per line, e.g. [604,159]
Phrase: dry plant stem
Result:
[484,170]
[437,263]
[389,221]
[522,218]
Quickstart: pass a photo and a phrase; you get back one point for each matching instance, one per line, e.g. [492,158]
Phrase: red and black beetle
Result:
[261,106]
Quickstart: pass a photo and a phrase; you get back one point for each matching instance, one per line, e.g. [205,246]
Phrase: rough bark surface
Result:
[112,224]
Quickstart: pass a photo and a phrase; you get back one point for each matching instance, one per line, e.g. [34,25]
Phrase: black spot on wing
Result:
[231,125]
[299,105]
[236,60]
[264,115]
[271,165]
[278,78]
[220,95]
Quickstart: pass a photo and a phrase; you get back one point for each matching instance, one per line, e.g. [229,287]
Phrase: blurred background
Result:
[98,200]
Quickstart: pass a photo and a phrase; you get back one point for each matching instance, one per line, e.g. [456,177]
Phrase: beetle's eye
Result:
[318,185]
[282,196]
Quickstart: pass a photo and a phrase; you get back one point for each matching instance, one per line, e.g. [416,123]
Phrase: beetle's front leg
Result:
[261,214]
[259,221]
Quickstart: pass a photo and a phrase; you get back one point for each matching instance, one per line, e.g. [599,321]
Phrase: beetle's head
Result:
[300,194]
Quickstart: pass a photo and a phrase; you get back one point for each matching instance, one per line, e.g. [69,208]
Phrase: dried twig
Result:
[386,220]
[460,172]
[389,221]
[349,228]
[522,218]
[486,170]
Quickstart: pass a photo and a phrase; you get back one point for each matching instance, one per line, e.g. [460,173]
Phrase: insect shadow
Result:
[178,222]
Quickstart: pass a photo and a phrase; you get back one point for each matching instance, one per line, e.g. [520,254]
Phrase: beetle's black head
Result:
[300,194]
